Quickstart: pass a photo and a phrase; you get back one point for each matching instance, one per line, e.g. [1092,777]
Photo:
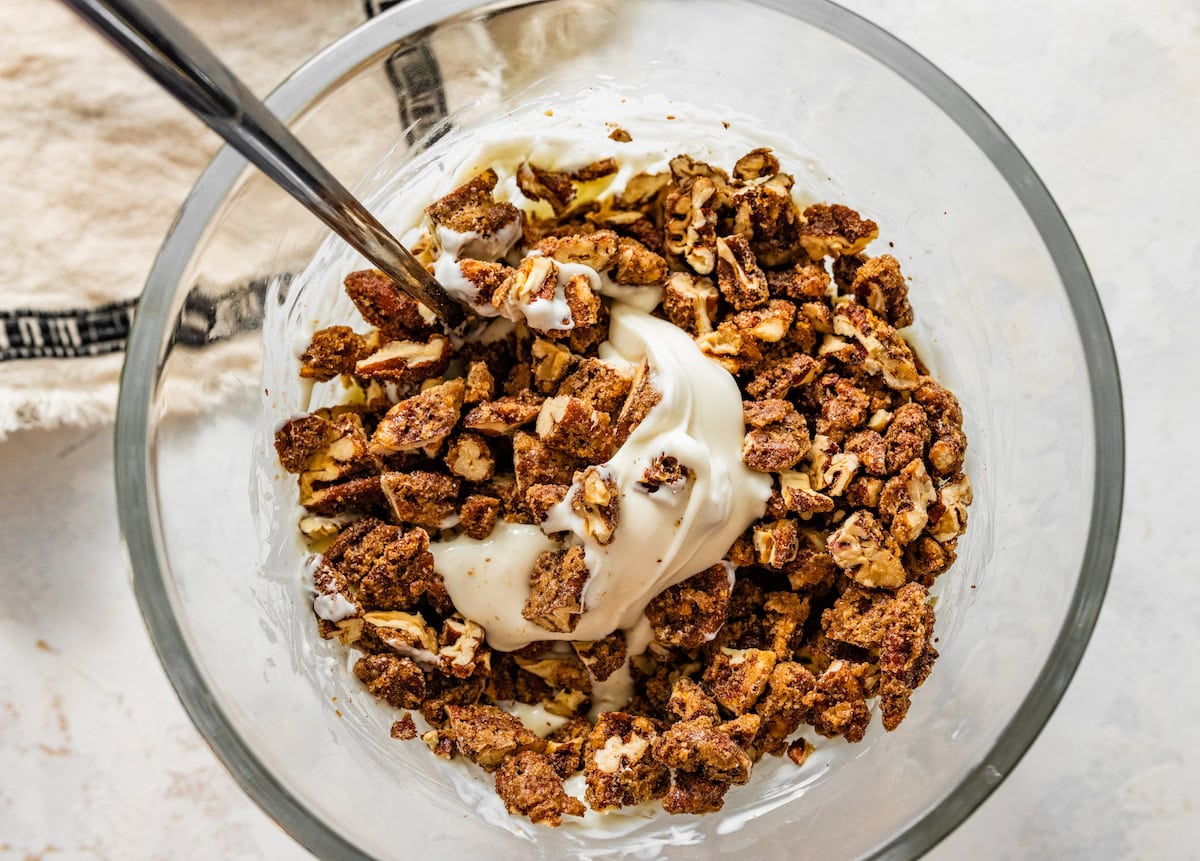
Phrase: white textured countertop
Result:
[97,759]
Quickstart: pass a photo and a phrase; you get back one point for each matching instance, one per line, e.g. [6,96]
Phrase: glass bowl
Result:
[1007,316]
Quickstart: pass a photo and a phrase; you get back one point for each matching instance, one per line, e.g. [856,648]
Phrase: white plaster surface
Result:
[97,759]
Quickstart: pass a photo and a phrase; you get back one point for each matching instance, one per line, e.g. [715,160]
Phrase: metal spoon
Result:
[169,53]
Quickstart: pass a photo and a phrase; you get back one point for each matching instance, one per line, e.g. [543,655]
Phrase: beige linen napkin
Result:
[94,162]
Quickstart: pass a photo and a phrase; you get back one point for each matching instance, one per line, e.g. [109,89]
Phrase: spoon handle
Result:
[168,52]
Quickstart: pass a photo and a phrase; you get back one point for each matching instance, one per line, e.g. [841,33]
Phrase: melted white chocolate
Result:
[661,538]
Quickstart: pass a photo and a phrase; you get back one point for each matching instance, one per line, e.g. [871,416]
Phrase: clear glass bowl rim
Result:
[137,498]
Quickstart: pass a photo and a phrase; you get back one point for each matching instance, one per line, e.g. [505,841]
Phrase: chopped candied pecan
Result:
[740,280]
[599,383]
[486,734]
[472,209]
[569,424]
[485,277]
[440,743]
[926,558]
[907,654]
[691,230]
[949,446]
[690,613]
[736,678]
[803,282]
[797,495]
[778,438]
[866,553]
[469,456]
[840,472]
[799,751]
[819,316]
[619,135]
[686,170]
[551,363]
[596,499]
[421,498]
[769,323]
[953,497]
[642,398]
[844,269]
[835,231]
[553,187]
[664,471]
[785,615]
[345,452]
[595,250]
[462,648]
[864,492]
[813,567]
[602,657]
[619,768]
[564,746]
[879,286]
[775,543]
[767,216]
[690,302]
[398,681]
[726,346]
[633,224]
[850,354]
[759,163]
[534,280]
[385,306]
[536,463]
[503,415]
[584,306]
[777,380]
[556,590]
[595,170]
[858,617]
[906,437]
[298,439]
[886,352]
[540,498]
[843,407]
[480,385]
[782,707]
[837,705]
[421,422]
[692,792]
[357,494]
[870,449]
[388,568]
[332,351]
[443,691]
[638,265]
[688,701]
[404,729]
[700,745]
[478,515]
[562,671]
[529,786]
[406,634]
[407,361]
[905,501]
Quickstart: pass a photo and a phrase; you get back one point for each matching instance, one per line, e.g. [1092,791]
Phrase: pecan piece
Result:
[332,351]
[556,584]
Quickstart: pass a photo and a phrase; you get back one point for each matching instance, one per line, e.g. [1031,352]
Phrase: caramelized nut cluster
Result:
[822,605]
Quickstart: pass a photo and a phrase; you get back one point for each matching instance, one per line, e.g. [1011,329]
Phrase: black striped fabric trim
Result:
[31,334]
[416,77]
